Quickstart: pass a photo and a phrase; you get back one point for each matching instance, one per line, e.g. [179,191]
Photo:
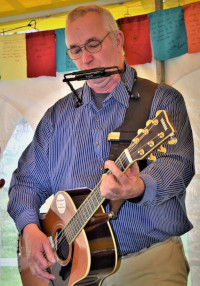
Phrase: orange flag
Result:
[192,23]
[137,45]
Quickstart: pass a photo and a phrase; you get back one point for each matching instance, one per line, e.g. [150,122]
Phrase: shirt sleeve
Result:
[172,172]
[31,184]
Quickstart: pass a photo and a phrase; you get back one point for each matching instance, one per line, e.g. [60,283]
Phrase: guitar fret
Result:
[83,214]
[120,164]
[138,149]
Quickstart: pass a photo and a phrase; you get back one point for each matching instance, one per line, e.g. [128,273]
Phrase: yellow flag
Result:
[13,64]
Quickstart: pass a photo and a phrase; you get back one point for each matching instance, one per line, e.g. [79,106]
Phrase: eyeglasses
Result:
[92,46]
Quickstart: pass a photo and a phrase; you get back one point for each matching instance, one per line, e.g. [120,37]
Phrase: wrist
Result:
[29,228]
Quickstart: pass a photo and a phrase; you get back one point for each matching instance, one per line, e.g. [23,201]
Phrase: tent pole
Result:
[160,65]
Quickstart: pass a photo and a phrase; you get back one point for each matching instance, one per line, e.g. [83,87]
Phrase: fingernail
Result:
[107,164]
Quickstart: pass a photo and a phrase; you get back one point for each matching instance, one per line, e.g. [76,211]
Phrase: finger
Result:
[49,254]
[44,279]
[40,259]
[110,189]
[119,175]
[42,273]
[133,171]
[113,184]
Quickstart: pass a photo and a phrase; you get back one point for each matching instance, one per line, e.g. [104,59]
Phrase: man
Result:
[70,149]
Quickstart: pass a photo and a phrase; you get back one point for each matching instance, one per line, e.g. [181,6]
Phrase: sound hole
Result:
[62,246]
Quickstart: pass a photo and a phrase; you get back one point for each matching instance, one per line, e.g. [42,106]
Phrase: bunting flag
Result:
[137,44]
[40,48]
[13,57]
[192,23]
[63,62]
[173,32]
[168,33]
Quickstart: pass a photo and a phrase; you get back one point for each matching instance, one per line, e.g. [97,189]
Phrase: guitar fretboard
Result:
[90,205]
[148,139]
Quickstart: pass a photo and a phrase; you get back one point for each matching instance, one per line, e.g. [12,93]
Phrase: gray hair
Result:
[109,21]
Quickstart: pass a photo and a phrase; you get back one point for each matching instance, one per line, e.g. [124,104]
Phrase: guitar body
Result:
[88,260]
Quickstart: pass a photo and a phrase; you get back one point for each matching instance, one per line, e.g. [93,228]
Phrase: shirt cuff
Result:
[27,217]
[150,189]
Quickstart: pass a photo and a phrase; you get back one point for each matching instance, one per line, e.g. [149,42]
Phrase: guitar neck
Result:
[83,214]
[90,205]
[148,139]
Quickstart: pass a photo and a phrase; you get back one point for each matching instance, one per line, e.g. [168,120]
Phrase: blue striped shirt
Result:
[70,147]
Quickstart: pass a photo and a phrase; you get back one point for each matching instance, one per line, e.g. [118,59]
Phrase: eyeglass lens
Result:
[93,46]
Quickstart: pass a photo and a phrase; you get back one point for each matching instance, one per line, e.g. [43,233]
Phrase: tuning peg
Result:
[144,131]
[151,143]
[161,135]
[135,140]
[148,122]
[162,149]
[158,112]
[140,131]
[172,141]
[155,121]
[141,152]
[152,157]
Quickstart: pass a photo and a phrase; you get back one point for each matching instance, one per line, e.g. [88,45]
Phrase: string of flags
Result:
[163,34]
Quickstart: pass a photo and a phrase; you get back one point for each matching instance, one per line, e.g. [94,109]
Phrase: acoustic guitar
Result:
[78,227]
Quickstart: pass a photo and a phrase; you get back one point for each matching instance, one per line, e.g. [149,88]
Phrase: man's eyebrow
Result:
[88,41]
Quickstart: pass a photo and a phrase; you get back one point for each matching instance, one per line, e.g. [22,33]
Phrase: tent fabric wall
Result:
[29,98]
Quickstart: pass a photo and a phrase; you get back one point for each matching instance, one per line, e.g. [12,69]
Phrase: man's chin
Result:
[96,80]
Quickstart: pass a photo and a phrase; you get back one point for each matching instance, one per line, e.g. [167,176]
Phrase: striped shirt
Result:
[70,147]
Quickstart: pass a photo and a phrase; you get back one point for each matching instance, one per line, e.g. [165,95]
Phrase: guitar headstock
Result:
[151,137]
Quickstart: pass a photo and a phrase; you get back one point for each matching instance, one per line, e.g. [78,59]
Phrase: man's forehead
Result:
[82,35]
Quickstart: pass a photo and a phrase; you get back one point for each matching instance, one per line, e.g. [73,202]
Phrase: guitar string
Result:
[123,159]
[87,202]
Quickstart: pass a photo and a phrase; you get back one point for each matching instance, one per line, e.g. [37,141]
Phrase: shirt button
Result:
[97,119]
[97,143]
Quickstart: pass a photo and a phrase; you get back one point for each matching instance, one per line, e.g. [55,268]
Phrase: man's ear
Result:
[120,39]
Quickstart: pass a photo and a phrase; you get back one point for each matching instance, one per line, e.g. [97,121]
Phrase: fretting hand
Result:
[119,185]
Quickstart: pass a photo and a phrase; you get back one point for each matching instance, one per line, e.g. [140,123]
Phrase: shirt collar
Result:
[119,92]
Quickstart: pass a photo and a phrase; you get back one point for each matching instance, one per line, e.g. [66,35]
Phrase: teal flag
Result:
[168,33]
[63,62]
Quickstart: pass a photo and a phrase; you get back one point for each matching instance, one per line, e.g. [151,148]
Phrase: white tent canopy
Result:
[29,98]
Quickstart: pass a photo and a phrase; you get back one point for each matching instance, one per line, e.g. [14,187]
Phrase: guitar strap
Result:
[136,117]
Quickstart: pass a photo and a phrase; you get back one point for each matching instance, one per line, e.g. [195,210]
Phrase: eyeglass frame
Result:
[85,46]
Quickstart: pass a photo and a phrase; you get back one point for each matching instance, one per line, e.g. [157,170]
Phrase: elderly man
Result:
[70,150]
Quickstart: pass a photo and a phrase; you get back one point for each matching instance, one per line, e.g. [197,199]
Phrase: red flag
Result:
[137,45]
[192,24]
[41,59]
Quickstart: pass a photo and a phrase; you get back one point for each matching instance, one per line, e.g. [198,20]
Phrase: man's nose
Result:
[86,56]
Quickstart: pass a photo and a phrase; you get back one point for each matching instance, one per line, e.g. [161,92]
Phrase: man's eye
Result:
[75,50]
[93,44]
